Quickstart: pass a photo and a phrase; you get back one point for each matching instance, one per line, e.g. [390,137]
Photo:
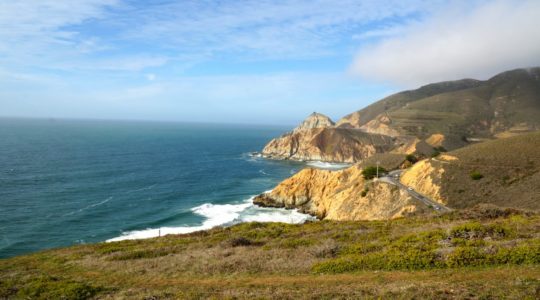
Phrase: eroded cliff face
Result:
[425,178]
[380,125]
[338,195]
[353,120]
[317,139]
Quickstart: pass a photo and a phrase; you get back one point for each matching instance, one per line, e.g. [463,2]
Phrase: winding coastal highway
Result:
[393,178]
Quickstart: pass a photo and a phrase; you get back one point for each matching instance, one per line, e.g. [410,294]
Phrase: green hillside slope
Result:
[505,104]
[485,253]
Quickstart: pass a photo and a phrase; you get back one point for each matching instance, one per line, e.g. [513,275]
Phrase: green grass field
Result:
[484,253]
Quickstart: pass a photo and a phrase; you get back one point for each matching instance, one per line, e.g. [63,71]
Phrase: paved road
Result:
[393,178]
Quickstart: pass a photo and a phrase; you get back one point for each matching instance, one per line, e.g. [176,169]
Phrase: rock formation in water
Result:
[317,139]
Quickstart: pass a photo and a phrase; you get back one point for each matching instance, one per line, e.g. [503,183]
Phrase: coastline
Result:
[222,215]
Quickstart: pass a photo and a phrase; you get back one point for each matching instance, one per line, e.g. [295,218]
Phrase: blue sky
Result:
[267,62]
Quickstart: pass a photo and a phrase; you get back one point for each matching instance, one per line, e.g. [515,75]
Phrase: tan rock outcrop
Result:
[315,120]
[425,178]
[380,125]
[350,121]
[436,140]
[338,195]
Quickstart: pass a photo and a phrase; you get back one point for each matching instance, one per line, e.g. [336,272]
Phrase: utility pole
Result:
[378,162]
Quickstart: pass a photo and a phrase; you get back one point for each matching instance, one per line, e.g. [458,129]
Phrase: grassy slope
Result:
[510,169]
[400,99]
[483,253]
[463,108]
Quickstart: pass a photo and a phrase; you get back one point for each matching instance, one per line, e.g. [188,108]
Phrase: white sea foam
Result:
[88,207]
[142,189]
[327,165]
[222,215]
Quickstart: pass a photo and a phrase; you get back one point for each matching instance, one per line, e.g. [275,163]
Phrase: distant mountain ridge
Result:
[453,113]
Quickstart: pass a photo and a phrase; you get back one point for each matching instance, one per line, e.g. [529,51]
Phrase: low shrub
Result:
[411,158]
[364,192]
[466,256]
[475,175]
[371,172]
[242,242]
[524,253]
[475,230]
[363,248]
[143,253]
[326,249]
[55,288]
[295,243]
[412,259]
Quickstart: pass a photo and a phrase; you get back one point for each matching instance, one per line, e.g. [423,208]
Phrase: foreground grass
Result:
[483,254]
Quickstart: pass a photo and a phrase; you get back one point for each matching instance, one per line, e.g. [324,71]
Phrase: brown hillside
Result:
[510,171]
[505,104]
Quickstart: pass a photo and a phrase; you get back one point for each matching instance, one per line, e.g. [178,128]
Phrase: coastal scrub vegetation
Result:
[411,158]
[371,172]
[418,257]
[475,175]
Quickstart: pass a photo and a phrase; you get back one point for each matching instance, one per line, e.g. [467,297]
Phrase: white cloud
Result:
[58,34]
[294,28]
[43,22]
[457,42]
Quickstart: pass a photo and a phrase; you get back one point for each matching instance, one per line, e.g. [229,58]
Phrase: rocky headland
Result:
[317,139]
[477,119]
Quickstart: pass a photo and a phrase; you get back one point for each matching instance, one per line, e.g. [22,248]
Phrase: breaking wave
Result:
[328,165]
[222,215]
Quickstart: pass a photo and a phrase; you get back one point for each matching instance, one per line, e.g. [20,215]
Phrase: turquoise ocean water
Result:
[65,182]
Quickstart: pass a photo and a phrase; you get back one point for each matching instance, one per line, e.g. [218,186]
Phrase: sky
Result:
[257,62]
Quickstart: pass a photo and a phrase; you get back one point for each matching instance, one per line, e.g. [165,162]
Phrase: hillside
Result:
[359,118]
[509,169]
[507,102]
[485,253]
[455,112]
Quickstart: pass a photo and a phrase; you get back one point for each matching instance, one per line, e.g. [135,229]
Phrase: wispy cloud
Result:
[245,59]
[457,42]
[49,33]
[297,28]
[32,26]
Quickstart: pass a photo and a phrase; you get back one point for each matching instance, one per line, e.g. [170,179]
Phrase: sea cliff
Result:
[316,138]
[340,195]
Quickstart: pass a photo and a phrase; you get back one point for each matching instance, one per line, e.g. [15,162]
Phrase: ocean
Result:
[66,182]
